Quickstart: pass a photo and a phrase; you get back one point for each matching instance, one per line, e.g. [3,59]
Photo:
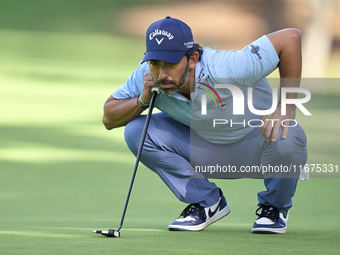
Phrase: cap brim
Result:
[168,56]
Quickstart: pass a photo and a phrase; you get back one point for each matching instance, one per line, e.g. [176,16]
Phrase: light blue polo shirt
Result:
[245,68]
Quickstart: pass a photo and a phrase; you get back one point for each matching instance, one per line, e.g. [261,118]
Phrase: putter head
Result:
[109,233]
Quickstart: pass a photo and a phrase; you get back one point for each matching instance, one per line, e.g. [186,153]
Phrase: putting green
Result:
[63,175]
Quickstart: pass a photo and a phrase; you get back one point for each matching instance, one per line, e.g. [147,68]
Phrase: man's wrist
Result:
[141,104]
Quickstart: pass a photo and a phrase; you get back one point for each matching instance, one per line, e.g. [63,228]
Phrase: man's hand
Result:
[272,123]
[118,112]
[148,85]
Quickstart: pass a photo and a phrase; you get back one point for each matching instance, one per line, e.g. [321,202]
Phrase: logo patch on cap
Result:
[189,44]
[160,32]
[159,41]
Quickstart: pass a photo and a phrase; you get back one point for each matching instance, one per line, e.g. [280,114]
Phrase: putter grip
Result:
[156,89]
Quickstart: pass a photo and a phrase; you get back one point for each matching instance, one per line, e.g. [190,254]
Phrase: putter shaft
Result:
[112,232]
[155,91]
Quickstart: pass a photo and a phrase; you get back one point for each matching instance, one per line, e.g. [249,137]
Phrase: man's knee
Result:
[292,146]
[133,133]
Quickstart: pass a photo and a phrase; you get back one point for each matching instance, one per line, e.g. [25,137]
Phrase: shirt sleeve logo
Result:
[255,50]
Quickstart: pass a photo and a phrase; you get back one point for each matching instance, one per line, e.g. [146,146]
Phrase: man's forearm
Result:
[287,44]
[118,112]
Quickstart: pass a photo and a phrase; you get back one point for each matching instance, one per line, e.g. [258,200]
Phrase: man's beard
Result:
[182,81]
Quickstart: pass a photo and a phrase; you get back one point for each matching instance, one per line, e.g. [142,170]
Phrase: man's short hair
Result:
[197,48]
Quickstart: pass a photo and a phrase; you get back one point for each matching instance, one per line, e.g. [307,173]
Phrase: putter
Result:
[116,233]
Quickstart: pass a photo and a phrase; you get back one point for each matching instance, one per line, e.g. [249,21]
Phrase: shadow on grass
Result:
[59,137]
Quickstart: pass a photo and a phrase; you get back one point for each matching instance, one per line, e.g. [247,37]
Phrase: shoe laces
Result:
[268,212]
[193,210]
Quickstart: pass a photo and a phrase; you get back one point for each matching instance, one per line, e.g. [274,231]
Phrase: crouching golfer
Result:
[190,103]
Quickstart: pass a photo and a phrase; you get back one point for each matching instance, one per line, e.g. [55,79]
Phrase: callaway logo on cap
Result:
[168,40]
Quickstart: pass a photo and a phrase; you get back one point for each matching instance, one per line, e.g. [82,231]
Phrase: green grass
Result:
[65,15]
[62,174]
